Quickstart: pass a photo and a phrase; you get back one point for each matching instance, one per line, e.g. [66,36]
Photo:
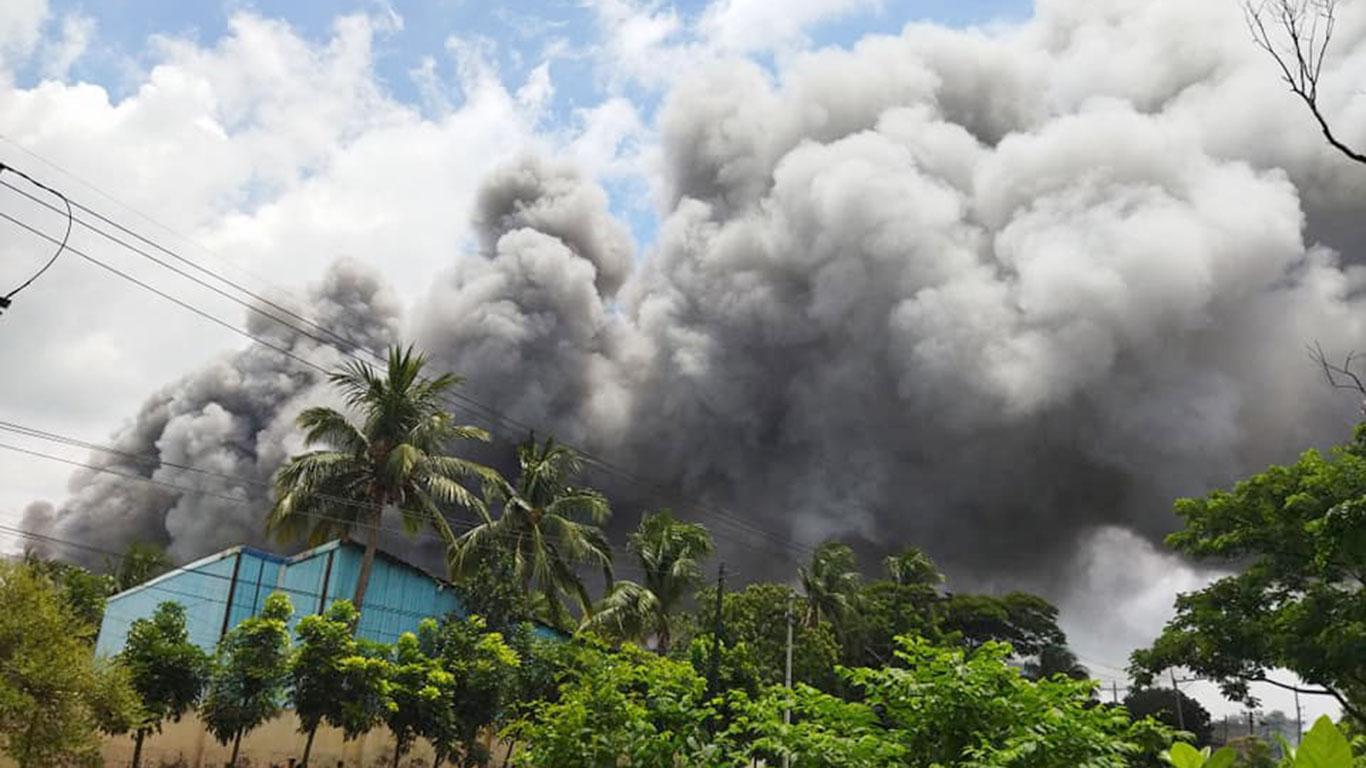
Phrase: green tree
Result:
[141,562]
[547,525]
[1027,622]
[167,670]
[489,589]
[365,692]
[1055,659]
[630,708]
[947,706]
[395,457]
[911,567]
[54,698]
[86,592]
[544,664]
[250,674]
[830,586]
[332,679]
[420,691]
[757,617]
[483,677]
[1296,537]
[904,603]
[1160,704]
[670,554]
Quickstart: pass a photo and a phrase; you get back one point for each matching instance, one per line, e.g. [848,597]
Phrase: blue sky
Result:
[516,37]
[520,29]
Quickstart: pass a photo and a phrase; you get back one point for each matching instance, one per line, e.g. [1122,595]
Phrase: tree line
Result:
[888,668]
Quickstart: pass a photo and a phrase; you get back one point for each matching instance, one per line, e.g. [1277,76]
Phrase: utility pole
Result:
[787,677]
[714,669]
[1114,692]
[1299,722]
[1176,692]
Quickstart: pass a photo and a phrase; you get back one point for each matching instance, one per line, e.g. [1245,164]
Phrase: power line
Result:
[492,415]
[8,299]
[454,524]
[154,460]
[348,346]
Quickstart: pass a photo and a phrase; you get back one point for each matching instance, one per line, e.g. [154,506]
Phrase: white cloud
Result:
[272,150]
[20,27]
[744,26]
[77,32]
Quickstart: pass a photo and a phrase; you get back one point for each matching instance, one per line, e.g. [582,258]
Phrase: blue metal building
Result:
[221,590]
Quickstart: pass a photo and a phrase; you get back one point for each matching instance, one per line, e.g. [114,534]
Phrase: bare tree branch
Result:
[1340,375]
[1307,26]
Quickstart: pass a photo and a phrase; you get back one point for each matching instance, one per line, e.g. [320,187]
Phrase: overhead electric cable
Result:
[491,416]
[357,524]
[8,299]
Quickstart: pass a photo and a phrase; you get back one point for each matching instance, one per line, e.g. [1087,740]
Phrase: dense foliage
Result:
[1297,537]
[250,674]
[888,669]
[939,707]
[54,697]
[166,669]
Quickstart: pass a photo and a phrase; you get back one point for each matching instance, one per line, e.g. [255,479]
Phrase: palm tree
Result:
[830,585]
[670,553]
[912,567]
[547,525]
[395,457]
[1055,659]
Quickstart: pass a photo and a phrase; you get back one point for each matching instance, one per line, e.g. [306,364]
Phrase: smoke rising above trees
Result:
[987,291]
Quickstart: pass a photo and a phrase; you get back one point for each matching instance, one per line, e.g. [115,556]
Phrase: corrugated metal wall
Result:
[221,590]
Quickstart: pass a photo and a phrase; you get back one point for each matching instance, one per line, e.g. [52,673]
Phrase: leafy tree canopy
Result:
[1296,536]
[1160,704]
[631,707]
[250,674]
[166,669]
[54,698]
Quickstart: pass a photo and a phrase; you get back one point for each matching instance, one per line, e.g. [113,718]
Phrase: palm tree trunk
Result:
[308,745]
[137,747]
[367,561]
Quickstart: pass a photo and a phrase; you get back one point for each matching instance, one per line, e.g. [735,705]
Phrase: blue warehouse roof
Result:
[221,590]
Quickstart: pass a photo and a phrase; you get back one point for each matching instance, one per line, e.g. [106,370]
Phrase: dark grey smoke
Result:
[984,292]
[233,418]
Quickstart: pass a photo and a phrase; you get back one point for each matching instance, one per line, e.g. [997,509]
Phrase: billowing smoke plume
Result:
[986,292]
[232,422]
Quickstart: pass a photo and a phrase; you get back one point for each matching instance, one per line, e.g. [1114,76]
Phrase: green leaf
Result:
[1324,747]
[1183,755]
[1222,759]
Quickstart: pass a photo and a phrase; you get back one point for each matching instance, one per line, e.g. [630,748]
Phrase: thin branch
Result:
[1340,376]
[1308,25]
[1325,691]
